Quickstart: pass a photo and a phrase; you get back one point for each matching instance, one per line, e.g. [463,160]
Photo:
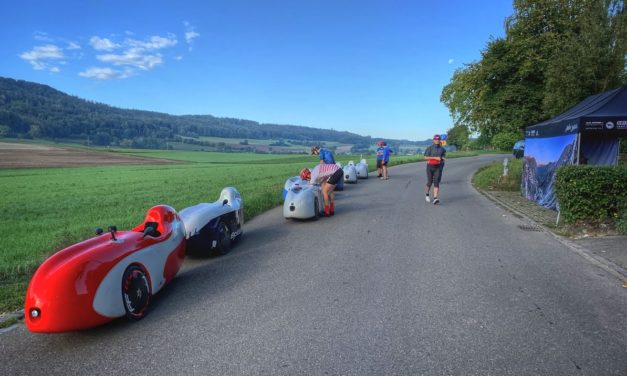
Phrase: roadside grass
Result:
[491,177]
[46,209]
[8,322]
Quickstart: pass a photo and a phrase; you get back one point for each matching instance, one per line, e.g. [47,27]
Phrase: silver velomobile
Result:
[302,200]
[350,173]
[362,169]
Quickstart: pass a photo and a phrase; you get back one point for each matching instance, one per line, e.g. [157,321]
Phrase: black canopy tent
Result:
[587,133]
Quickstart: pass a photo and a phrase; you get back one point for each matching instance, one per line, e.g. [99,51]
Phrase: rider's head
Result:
[305,174]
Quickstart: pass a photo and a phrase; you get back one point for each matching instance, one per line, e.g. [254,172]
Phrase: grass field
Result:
[46,209]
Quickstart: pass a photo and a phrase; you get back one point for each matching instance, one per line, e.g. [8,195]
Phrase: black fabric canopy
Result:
[600,114]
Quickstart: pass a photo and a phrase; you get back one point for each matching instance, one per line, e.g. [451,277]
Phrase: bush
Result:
[591,193]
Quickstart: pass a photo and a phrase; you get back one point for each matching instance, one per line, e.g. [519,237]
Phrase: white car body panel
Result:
[108,299]
[300,200]
[350,173]
[196,217]
[362,169]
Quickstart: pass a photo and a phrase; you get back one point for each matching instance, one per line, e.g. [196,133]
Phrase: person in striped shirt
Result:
[327,175]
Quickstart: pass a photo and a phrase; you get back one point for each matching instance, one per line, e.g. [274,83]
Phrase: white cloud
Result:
[73,46]
[44,57]
[155,42]
[122,58]
[133,57]
[190,34]
[105,73]
[450,61]
[102,44]
[41,36]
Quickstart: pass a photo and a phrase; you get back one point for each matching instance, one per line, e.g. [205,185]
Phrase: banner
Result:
[542,158]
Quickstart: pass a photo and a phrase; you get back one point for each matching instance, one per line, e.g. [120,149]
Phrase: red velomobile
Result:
[108,276]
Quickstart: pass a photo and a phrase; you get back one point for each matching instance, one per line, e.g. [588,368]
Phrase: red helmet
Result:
[305,174]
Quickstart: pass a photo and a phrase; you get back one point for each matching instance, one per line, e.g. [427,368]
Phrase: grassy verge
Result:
[8,322]
[491,177]
[44,210]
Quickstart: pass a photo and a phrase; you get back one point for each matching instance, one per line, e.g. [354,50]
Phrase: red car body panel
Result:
[64,287]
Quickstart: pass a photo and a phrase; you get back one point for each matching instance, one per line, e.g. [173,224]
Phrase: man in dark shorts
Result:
[434,155]
[328,175]
[386,158]
[380,150]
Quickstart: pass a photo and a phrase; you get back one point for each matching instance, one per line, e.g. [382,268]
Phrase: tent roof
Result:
[604,113]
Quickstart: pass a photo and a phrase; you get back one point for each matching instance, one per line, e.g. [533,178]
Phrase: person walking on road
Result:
[386,158]
[327,175]
[434,155]
[380,159]
[326,156]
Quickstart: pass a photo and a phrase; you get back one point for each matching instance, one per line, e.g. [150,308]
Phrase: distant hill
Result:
[31,110]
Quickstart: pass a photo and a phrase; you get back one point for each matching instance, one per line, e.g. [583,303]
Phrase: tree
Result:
[555,53]
[458,136]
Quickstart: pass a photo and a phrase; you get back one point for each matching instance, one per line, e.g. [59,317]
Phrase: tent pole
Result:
[578,148]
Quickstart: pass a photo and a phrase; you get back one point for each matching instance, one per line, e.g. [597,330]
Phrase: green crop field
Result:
[46,209]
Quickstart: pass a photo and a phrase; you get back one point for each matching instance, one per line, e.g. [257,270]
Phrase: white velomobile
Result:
[362,169]
[302,200]
[350,173]
[214,226]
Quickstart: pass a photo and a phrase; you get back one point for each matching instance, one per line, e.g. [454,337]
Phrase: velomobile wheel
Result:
[224,238]
[135,292]
[316,209]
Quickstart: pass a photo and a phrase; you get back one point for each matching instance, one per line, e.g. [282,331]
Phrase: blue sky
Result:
[370,67]
[549,149]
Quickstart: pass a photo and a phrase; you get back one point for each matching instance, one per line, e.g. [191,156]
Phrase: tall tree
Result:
[554,54]
[458,136]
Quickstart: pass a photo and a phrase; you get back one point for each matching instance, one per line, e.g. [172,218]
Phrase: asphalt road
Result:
[390,285]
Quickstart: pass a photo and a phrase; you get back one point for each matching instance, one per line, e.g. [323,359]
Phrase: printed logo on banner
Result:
[609,125]
[531,133]
[571,127]
[594,125]
[621,124]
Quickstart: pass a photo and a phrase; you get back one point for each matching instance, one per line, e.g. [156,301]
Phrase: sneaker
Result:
[436,201]
[382,178]
[427,199]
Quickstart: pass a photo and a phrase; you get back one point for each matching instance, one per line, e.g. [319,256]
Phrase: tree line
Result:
[554,54]
[31,110]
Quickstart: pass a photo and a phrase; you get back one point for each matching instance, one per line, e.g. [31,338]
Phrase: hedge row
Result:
[591,192]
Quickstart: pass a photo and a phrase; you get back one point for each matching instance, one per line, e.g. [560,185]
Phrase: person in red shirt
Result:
[434,155]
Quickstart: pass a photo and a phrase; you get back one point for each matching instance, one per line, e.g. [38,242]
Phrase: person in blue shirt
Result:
[380,158]
[385,159]
[326,156]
